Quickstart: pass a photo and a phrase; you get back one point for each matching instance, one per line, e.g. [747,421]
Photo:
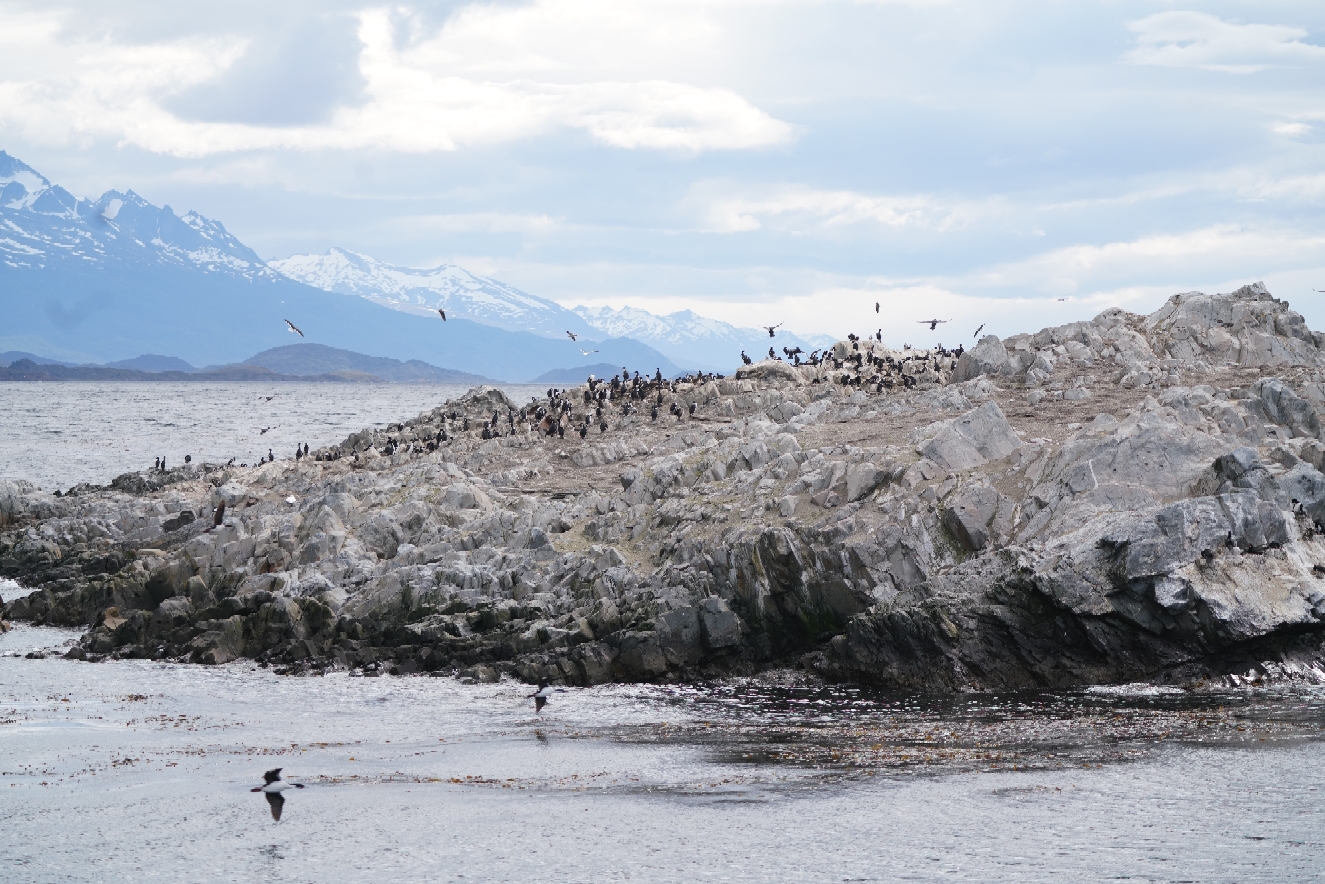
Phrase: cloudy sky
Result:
[1012,162]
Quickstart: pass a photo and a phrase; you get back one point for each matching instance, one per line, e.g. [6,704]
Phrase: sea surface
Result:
[59,434]
[140,771]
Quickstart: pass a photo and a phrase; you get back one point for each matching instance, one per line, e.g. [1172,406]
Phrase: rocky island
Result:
[1129,498]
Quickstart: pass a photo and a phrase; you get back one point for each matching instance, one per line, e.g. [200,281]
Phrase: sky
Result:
[1017,163]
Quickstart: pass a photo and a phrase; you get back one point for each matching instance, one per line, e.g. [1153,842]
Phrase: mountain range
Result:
[111,279]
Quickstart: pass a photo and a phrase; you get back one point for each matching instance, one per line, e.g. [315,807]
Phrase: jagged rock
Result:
[989,356]
[1164,516]
[970,517]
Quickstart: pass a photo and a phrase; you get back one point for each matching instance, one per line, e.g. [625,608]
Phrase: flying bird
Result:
[572,336]
[294,329]
[272,787]
[876,306]
[264,430]
[442,313]
[586,352]
[978,330]
[269,398]
[770,328]
[932,323]
[541,696]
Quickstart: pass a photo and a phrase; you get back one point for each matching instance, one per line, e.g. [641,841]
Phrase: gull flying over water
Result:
[264,430]
[932,323]
[294,329]
[272,787]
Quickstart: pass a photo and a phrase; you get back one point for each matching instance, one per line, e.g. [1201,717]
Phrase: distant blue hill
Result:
[10,356]
[152,362]
[316,359]
[116,277]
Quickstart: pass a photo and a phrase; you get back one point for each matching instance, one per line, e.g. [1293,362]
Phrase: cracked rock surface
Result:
[1133,497]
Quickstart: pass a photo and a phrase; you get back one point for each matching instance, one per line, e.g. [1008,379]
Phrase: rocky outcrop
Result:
[1126,498]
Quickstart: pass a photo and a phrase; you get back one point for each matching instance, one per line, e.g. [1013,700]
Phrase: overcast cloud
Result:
[1015,163]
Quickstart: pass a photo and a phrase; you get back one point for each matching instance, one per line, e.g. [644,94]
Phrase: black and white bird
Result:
[586,352]
[541,696]
[272,787]
[771,328]
[572,335]
[932,323]
[978,330]
[294,329]
[441,313]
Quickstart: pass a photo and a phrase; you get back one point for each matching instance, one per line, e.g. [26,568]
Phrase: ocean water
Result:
[140,771]
[59,434]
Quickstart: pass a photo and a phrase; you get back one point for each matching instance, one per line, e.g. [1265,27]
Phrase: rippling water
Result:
[62,433]
[140,771]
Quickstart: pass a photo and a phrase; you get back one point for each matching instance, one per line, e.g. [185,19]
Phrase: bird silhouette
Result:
[770,328]
[269,398]
[932,323]
[542,695]
[294,329]
[978,330]
[876,306]
[442,313]
[264,430]
[572,336]
[272,787]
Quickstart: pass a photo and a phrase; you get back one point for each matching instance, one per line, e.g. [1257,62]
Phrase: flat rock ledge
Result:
[1130,498]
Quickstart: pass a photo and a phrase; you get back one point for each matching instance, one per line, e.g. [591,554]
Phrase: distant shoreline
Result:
[26,370]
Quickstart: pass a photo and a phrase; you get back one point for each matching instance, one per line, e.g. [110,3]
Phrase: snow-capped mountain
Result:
[460,293]
[690,339]
[107,279]
[42,224]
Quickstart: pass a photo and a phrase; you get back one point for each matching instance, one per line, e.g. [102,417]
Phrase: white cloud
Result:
[480,222]
[422,96]
[1198,40]
[728,208]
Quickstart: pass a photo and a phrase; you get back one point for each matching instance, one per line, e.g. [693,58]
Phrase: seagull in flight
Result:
[269,398]
[932,323]
[585,352]
[264,430]
[978,330]
[272,787]
[443,313]
[771,328]
[572,336]
[294,329]
[541,696]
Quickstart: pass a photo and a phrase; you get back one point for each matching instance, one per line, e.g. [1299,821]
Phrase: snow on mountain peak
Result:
[690,339]
[424,291]
[45,224]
